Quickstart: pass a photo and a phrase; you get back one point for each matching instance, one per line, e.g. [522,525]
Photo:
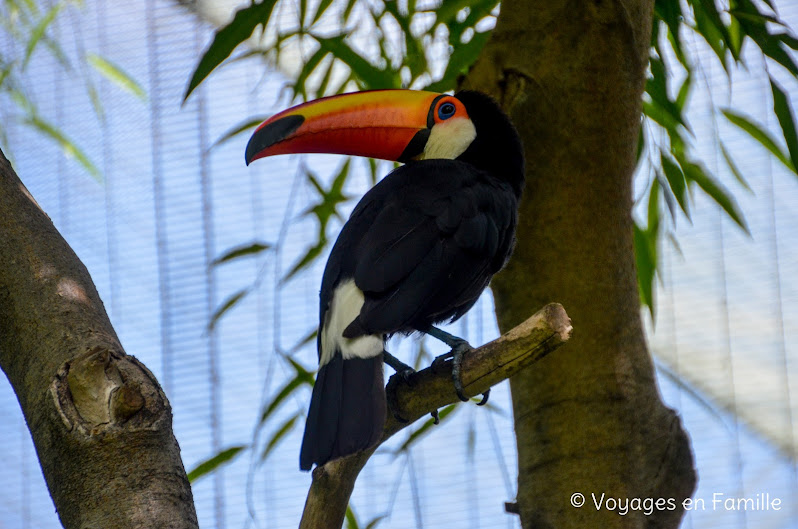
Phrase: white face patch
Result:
[449,139]
[345,306]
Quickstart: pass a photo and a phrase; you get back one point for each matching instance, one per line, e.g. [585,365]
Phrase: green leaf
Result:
[351,519]
[760,135]
[310,255]
[676,181]
[781,106]
[300,84]
[70,149]
[226,306]
[228,38]
[116,75]
[463,56]
[308,338]
[645,259]
[299,380]
[375,521]
[241,251]
[369,75]
[323,5]
[696,173]
[209,465]
[238,129]
[281,432]
[38,32]
[733,168]
[429,423]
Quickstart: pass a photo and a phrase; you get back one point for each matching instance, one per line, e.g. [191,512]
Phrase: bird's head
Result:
[399,125]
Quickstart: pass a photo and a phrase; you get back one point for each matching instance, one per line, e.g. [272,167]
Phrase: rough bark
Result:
[590,419]
[429,390]
[100,422]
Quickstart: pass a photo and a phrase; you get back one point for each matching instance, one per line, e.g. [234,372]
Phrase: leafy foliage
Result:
[27,26]
[726,31]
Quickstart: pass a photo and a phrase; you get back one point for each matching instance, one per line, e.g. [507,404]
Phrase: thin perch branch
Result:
[431,389]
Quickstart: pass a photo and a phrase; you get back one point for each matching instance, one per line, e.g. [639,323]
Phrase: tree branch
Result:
[100,422]
[429,390]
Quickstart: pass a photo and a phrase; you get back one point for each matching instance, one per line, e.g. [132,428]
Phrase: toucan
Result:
[418,249]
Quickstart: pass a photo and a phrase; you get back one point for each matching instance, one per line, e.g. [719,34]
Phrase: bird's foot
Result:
[404,375]
[459,348]
[402,370]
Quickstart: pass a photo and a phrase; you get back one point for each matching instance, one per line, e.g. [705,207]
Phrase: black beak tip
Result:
[272,133]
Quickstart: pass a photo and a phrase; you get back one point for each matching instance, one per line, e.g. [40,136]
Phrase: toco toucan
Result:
[418,249]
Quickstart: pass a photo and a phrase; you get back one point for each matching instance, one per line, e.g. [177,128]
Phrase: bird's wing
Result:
[440,233]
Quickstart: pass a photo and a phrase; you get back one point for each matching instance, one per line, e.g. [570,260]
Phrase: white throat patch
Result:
[345,306]
[449,139]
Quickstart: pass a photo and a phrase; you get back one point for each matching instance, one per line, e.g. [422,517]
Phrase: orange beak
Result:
[386,124]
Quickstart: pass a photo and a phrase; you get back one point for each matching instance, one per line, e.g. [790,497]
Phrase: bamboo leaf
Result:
[696,173]
[226,306]
[68,146]
[310,255]
[281,432]
[238,129]
[299,380]
[760,135]
[228,38]
[116,75]
[241,251]
[38,32]
[209,465]
[676,181]
[429,423]
[783,110]
[351,519]
[733,168]
[370,76]
[645,259]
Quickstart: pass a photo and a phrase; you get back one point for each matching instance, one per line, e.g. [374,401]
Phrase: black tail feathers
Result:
[347,410]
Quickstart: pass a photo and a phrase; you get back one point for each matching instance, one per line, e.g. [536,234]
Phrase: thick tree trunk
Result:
[588,420]
[100,422]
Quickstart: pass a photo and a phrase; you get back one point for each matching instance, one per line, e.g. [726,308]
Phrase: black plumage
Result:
[421,245]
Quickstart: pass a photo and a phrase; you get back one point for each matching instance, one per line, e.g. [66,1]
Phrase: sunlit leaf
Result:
[116,75]
[228,38]
[225,456]
[226,306]
[38,32]
[241,251]
[68,146]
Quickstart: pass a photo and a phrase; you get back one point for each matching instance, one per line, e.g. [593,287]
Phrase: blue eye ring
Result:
[446,110]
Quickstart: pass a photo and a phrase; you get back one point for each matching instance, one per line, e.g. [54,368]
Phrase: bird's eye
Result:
[446,110]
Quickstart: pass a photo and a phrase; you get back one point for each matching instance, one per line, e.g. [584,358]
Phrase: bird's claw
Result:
[458,351]
[485,397]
